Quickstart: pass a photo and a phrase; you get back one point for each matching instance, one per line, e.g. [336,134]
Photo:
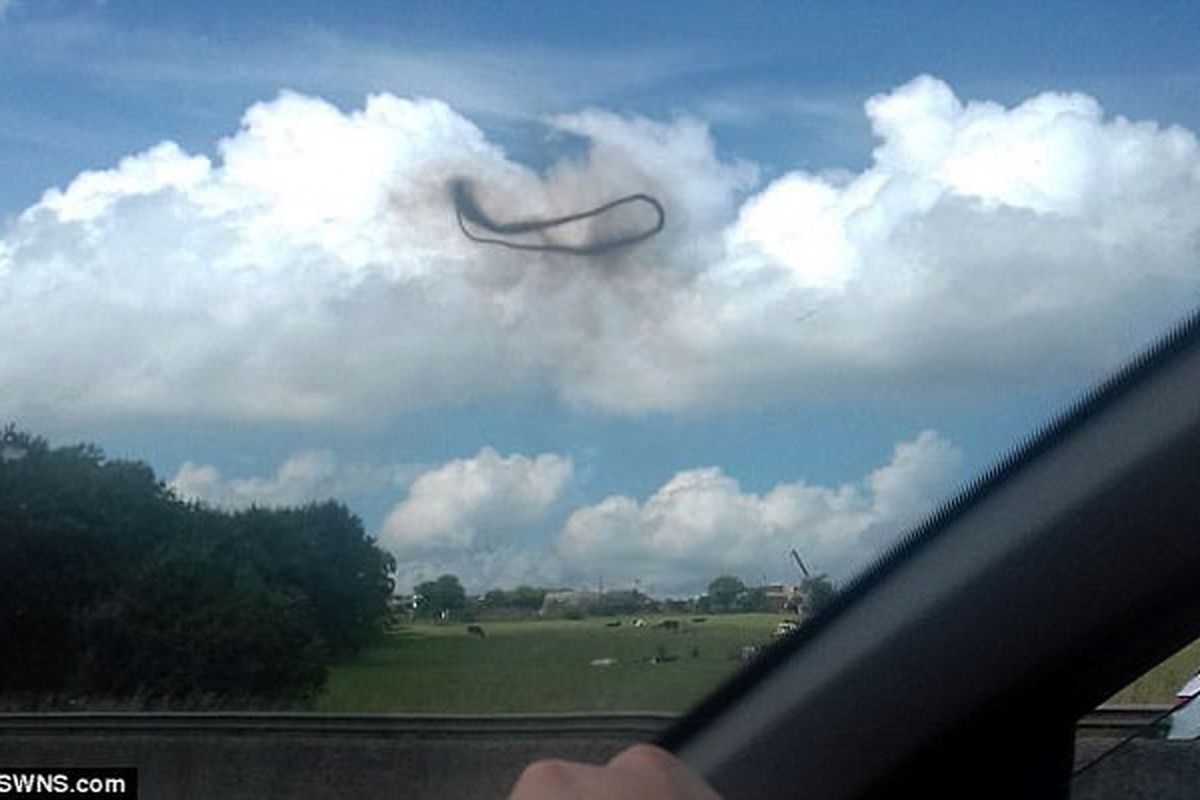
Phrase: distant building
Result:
[780,597]
[559,602]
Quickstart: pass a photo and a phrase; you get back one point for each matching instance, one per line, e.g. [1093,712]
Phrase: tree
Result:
[495,598]
[188,629]
[445,594]
[622,602]
[526,598]
[752,600]
[113,585]
[322,551]
[71,527]
[815,593]
[724,591]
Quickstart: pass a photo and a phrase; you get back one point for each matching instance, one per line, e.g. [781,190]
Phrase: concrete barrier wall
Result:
[206,767]
[439,759]
[302,762]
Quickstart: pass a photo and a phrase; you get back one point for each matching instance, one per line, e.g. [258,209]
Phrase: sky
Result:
[898,238]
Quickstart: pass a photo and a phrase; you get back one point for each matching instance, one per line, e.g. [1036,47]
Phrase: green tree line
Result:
[114,587]
[445,598]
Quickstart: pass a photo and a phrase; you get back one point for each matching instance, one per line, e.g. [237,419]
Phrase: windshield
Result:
[459,358]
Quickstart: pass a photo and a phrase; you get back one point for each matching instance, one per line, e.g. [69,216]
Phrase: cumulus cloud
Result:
[983,243]
[501,520]
[312,270]
[701,523]
[307,476]
[473,516]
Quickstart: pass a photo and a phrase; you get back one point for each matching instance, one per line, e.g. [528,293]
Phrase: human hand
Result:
[641,772]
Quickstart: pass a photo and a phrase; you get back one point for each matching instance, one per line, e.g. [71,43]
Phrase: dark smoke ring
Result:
[466,209]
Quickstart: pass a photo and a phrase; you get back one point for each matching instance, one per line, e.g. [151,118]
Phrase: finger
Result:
[554,779]
[672,778]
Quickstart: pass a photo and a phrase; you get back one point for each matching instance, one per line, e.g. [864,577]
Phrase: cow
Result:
[669,625]
[661,657]
[476,630]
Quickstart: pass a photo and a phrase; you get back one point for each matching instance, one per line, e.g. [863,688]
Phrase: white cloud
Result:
[701,523]
[476,518]
[918,474]
[307,476]
[491,518]
[984,244]
[470,515]
[312,270]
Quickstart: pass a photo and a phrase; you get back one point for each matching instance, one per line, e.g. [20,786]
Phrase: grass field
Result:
[543,665]
[546,666]
[1160,684]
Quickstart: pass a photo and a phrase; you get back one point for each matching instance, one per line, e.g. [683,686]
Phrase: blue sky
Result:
[91,82]
[899,236]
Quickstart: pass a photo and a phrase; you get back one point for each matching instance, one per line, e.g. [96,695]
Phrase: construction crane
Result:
[794,598]
[803,569]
